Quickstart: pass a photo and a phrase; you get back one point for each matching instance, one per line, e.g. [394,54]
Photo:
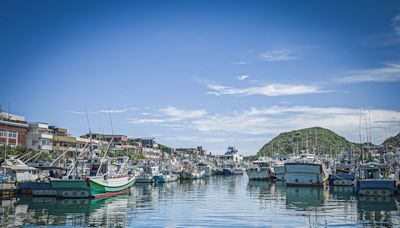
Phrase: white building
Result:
[39,137]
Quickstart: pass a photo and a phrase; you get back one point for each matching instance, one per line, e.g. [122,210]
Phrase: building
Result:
[231,155]
[39,137]
[13,129]
[62,141]
[119,142]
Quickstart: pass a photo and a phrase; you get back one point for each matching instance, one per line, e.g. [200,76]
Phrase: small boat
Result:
[342,176]
[372,179]
[21,173]
[165,177]
[227,171]
[305,171]
[237,171]
[260,170]
[7,184]
[207,169]
[150,170]
[190,174]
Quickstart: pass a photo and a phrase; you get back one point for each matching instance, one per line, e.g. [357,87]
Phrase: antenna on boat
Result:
[87,119]
[112,129]
[370,128]
[359,131]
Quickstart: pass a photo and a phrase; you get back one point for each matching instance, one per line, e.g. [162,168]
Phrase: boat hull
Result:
[376,187]
[92,187]
[279,172]
[304,174]
[42,189]
[341,179]
[258,174]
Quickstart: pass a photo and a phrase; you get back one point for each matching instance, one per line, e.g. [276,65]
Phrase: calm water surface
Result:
[218,201]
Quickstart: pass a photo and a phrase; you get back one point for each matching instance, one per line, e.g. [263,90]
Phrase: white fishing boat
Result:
[305,171]
[165,177]
[150,170]
[19,170]
[260,170]
[206,167]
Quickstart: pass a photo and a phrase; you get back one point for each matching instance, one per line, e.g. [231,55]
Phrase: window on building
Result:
[11,134]
[3,133]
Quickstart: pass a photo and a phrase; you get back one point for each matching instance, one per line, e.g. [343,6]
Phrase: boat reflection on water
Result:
[66,212]
[305,198]
[342,193]
[377,211]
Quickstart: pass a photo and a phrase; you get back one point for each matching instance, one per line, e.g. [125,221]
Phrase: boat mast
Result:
[361,144]
[370,129]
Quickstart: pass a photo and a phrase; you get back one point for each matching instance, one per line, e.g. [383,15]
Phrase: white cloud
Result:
[278,55]
[277,119]
[388,73]
[252,127]
[183,114]
[266,90]
[76,112]
[104,111]
[242,77]
[114,110]
[241,63]
[396,24]
[169,116]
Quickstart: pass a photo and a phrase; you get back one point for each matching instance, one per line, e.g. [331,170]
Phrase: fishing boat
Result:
[149,171]
[260,170]
[206,167]
[343,175]
[227,171]
[165,177]
[192,173]
[101,184]
[372,179]
[21,173]
[305,171]
[279,171]
[7,184]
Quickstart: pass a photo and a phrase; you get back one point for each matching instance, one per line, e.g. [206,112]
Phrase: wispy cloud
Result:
[266,90]
[114,110]
[242,77]
[396,24]
[76,112]
[279,55]
[388,73]
[104,111]
[241,63]
[169,115]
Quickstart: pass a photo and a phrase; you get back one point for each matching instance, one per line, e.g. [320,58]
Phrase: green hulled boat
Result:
[93,187]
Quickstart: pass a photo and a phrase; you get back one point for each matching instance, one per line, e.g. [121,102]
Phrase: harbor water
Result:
[218,201]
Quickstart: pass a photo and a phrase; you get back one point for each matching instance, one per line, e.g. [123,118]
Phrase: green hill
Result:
[392,142]
[319,139]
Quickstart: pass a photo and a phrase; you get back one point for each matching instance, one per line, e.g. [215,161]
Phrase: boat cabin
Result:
[19,170]
[373,170]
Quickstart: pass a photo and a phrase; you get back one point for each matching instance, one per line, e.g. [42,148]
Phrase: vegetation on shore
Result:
[321,140]
[392,142]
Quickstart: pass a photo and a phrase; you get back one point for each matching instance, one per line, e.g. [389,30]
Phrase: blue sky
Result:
[210,73]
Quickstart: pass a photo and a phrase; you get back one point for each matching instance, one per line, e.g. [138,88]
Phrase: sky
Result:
[209,73]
